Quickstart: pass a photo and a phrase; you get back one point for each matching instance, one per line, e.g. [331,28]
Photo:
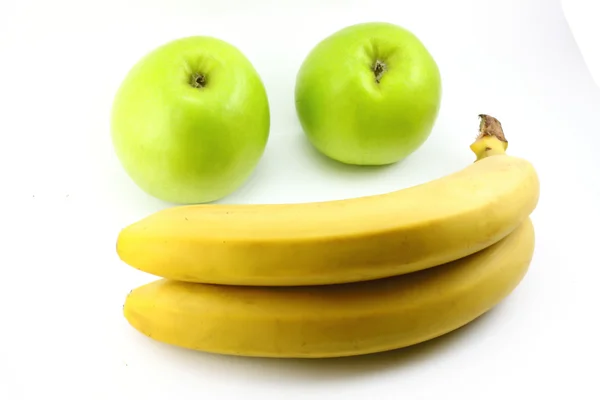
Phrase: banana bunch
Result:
[337,278]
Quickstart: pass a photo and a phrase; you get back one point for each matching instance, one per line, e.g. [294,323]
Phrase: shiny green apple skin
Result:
[191,120]
[348,115]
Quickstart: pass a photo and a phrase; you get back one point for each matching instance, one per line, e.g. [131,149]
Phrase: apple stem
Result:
[197,80]
[379,69]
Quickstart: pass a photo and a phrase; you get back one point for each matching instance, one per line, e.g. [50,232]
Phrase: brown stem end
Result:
[490,126]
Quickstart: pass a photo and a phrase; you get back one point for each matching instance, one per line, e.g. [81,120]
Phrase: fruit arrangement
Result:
[321,279]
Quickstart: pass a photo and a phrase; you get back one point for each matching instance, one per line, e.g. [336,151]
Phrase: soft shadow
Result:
[309,151]
[329,369]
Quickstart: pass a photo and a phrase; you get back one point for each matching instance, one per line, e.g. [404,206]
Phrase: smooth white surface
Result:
[65,197]
[582,16]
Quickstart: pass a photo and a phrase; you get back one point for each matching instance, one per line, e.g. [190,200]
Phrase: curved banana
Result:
[341,241]
[335,320]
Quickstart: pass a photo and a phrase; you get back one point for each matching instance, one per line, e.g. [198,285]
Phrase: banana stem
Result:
[491,140]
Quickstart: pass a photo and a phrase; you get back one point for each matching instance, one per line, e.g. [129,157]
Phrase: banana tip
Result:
[490,126]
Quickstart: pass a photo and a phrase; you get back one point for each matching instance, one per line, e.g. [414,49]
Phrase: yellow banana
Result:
[334,320]
[341,241]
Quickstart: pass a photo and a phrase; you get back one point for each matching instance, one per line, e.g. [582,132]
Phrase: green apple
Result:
[368,94]
[191,120]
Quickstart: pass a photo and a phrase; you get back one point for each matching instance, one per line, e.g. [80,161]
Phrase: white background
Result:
[582,16]
[65,197]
